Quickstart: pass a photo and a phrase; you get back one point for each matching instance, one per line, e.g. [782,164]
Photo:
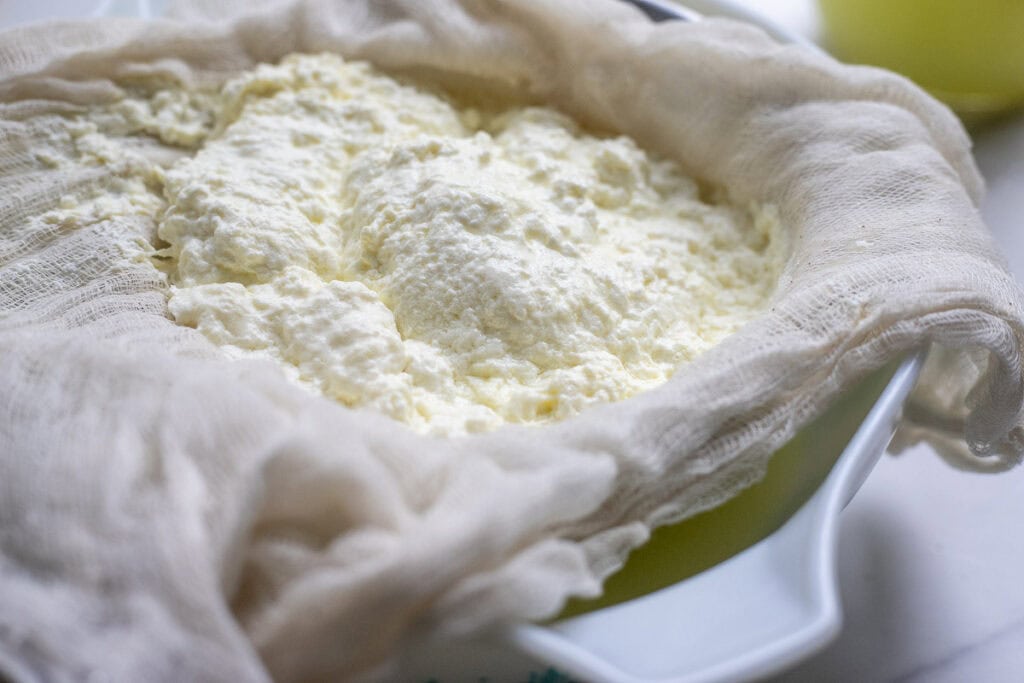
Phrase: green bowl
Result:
[679,551]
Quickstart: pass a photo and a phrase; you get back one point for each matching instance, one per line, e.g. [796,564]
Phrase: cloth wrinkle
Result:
[246,530]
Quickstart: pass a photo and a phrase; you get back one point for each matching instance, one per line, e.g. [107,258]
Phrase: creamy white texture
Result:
[452,269]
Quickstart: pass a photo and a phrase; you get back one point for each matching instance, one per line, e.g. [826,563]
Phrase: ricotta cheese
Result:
[453,268]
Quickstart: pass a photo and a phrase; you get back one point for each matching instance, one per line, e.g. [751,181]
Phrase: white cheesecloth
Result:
[168,515]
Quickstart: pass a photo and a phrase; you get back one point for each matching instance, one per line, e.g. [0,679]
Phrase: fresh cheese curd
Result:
[452,268]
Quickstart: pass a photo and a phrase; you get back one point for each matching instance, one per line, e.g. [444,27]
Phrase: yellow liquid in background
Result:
[968,54]
[679,551]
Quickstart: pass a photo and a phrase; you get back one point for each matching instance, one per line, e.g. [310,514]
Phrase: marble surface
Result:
[930,557]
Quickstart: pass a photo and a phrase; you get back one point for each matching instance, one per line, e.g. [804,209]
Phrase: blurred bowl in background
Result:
[968,54]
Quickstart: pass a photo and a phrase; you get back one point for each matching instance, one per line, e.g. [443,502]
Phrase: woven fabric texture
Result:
[170,515]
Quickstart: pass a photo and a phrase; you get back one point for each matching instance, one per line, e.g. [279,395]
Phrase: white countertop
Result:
[930,558]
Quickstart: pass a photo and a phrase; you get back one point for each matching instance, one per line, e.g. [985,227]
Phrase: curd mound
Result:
[453,268]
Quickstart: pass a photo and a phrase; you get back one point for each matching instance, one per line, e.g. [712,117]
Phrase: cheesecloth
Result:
[168,515]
